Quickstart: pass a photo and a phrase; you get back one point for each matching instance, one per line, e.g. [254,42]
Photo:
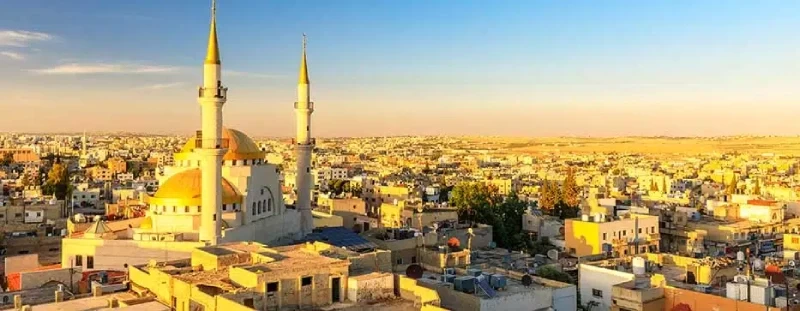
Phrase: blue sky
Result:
[521,68]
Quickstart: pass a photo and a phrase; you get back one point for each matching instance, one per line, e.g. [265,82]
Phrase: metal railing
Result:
[219,143]
[218,92]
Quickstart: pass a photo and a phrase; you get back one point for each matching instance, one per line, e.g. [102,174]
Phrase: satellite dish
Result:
[792,263]
[414,271]
[527,280]
[552,254]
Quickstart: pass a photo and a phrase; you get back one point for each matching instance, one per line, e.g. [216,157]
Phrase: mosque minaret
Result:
[304,145]
[219,189]
[211,146]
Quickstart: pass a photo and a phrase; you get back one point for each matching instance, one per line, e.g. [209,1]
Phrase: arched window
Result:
[259,207]
[269,205]
[254,209]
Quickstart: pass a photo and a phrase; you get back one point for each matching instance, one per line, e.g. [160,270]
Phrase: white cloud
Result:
[160,86]
[234,73]
[22,38]
[104,68]
[13,55]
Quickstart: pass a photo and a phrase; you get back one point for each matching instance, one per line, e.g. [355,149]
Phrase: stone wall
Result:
[35,279]
[370,287]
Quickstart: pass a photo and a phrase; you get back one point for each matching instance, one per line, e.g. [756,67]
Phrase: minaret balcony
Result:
[219,143]
[310,105]
[311,142]
[216,92]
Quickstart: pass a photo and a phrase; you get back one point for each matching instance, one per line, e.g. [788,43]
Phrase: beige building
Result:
[245,276]
[117,165]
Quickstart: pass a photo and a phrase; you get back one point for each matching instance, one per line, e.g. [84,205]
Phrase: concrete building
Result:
[117,165]
[455,292]
[631,234]
[246,275]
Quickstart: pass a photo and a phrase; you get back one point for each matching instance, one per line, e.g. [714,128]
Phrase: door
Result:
[335,289]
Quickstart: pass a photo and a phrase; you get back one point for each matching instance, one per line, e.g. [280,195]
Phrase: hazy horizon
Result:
[384,68]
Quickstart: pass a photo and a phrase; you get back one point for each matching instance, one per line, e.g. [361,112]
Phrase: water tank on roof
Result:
[585,217]
[740,256]
[597,217]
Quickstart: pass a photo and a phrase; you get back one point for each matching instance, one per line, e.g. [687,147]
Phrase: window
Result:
[795,240]
[305,281]
[17,214]
[23,252]
[89,262]
[259,207]
[38,214]
[254,209]
[248,302]
[262,191]
[186,209]
[269,205]
[199,209]
[55,249]
[6,299]
[413,259]
[653,229]
[640,230]
[597,293]
[78,260]
[604,234]
[174,209]
[624,233]
[224,207]
[272,287]
[2,216]
[215,217]
[399,261]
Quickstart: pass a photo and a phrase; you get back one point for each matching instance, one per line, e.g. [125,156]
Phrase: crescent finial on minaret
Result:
[303,77]
[212,54]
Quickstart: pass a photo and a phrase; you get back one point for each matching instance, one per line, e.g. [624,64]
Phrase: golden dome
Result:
[240,146]
[184,189]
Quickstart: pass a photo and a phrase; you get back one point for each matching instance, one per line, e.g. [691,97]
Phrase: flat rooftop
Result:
[100,303]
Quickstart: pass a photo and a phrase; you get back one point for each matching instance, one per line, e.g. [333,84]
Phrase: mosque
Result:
[219,190]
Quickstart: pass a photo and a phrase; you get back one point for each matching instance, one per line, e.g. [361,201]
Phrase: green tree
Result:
[509,220]
[549,272]
[541,246]
[757,188]
[732,187]
[479,203]
[7,159]
[548,196]
[564,211]
[474,201]
[570,192]
[57,181]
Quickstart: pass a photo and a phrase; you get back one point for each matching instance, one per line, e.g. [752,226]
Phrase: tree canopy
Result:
[57,181]
[479,203]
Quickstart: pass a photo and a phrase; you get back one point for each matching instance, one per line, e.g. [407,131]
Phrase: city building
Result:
[626,235]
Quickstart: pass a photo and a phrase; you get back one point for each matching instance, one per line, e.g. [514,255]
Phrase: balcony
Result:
[218,92]
[310,105]
[220,143]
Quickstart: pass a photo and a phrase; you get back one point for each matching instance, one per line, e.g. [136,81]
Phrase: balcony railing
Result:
[313,141]
[310,105]
[219,143]
[218,92]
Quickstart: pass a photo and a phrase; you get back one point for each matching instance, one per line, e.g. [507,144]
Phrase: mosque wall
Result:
[114,254]
[273,230]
